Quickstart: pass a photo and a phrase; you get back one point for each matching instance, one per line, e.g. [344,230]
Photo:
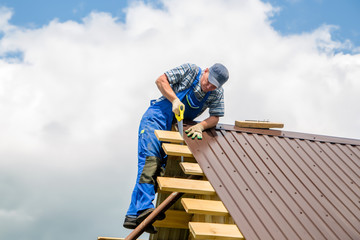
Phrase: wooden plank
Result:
[191,168]
[169,136]
[258,124]
[185,185]
[176,150]
[200,206]
[201,230]
[174,219]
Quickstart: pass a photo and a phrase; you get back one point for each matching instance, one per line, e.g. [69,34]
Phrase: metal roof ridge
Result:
[289,134]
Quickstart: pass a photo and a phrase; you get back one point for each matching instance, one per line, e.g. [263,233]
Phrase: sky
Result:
[76,77]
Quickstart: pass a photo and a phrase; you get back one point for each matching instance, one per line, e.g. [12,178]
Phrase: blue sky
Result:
[295,16]
[298,16]
[39,12]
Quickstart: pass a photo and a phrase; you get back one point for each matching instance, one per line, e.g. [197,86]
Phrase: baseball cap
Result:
[218,74]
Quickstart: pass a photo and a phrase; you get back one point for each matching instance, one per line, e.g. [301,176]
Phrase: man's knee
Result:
[152,169]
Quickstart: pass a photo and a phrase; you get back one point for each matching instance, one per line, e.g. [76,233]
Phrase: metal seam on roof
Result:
[247,188]
[306,181]
[278,184]
[240,213]
[267,190]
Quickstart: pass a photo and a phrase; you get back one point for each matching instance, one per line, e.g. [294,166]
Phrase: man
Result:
[195,90]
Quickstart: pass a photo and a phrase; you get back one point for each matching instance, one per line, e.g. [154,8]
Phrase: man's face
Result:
[206,86]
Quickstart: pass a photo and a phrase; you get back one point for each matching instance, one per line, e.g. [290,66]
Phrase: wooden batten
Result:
[185,185]
[258,124]
[174,219]
[176,150]
[191,168]
[208,207]
[201,230]
[169,136]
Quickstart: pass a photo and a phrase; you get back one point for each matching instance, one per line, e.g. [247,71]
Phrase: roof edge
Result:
[287,134]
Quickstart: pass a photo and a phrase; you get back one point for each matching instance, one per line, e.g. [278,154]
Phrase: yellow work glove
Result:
[176,106]
[195,131]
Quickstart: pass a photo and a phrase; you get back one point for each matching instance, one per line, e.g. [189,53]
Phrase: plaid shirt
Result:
[182,77]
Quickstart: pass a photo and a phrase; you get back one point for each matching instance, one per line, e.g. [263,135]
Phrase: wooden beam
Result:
[201,230]
[191,168]
[185,185]
[174,219]
[200,206]
[176,150]
[169,136]
[258,124]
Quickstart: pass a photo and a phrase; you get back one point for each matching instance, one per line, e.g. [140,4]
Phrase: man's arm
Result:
[196,130]
[210,122]
[164,86]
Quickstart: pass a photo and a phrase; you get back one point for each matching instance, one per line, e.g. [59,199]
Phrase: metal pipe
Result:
[165,205]
[109,238]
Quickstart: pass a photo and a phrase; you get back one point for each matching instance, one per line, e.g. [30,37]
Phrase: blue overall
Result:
[151,157]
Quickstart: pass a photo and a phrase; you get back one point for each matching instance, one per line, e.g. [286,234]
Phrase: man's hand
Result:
[195,131]
[176,106]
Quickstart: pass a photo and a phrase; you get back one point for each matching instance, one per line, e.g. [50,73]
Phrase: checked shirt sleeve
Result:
[216,106]
[181,78]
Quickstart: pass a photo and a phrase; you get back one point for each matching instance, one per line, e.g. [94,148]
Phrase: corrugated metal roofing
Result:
[284,185]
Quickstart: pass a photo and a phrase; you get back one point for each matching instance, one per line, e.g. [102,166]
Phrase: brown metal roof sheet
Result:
[284,185]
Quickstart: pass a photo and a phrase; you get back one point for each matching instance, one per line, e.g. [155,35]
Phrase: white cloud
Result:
[70,107]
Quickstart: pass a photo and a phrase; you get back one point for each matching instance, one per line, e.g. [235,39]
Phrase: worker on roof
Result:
[196,90]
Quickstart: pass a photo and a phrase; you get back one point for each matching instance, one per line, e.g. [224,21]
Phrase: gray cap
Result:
[218,74]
